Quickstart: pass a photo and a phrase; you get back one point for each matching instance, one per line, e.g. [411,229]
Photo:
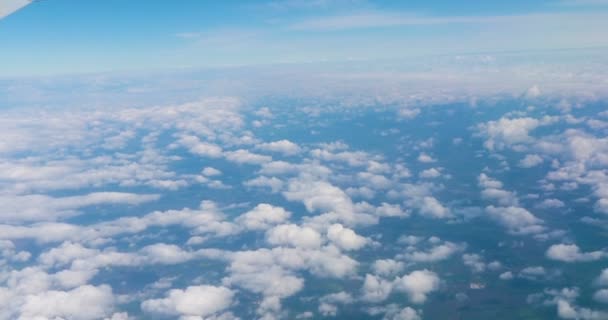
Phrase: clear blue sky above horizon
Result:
[64,37]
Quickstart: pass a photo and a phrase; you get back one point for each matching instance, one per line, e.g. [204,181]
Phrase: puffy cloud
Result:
[387,267]
[425,158]
[243,156]
[194,301]
[83,303]
[391,210]
[198,147]
[437,253]
[430,173]
[322,196]
[517,220]
[293,235]
[492,190]
[431,207]
[345,238]
[406,313]
[602,279]
[508,275]
[530,160]
[285,147]
[418,285]
[507,132]
[566,310]
[572,253]
[210,172]
[45,208]
[533,273]
[601,296]
[275,184]
[375,289]
[263,216]
[328,303]
[551,204]
[474,261]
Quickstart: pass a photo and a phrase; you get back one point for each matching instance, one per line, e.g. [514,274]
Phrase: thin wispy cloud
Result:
[8,7]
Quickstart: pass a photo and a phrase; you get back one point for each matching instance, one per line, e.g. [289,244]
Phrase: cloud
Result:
[530,160]
[430,173]
[517,220]
[425,158]
[418,285]
[293,235]
[572,253]
[82,303]
[506,132]
[432,208]
[10,6]
[387,267]
[345,238]
[285,147]
[194,301]
[46,208]
[437,253]
[263,217]
[243,156]
[375,289]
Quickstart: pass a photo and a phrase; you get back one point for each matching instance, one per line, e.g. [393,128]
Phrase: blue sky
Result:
[64,37]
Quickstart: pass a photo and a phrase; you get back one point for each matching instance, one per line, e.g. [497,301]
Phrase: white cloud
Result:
[551,204]
[243,156]
[82,303]
[530,160]
[430,173]
[602,279]
[285,147]
[293,235]
[194,301]
[198,147]
[572,253]
[431,207]
[375,289]
[517,220]
[210,172]
[275,184]
[387,267]
[436,253]
[507,132]
[10,6]
[263,216]
[418,285]
[46,208]
[345,238]
[425,158]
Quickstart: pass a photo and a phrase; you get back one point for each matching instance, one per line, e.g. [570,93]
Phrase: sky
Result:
[53,37]
[226,160]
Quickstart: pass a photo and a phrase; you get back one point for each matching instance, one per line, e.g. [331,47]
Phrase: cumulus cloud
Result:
[432,208]
[46,208]
[285,147]
[194,301]
[345,238]
[263,216]
[83,303]
[387,267]
[517,220]
[507,132]
[572,253]
[417,285]
[275,184]
[530,160]
[293,235]
[436,253]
